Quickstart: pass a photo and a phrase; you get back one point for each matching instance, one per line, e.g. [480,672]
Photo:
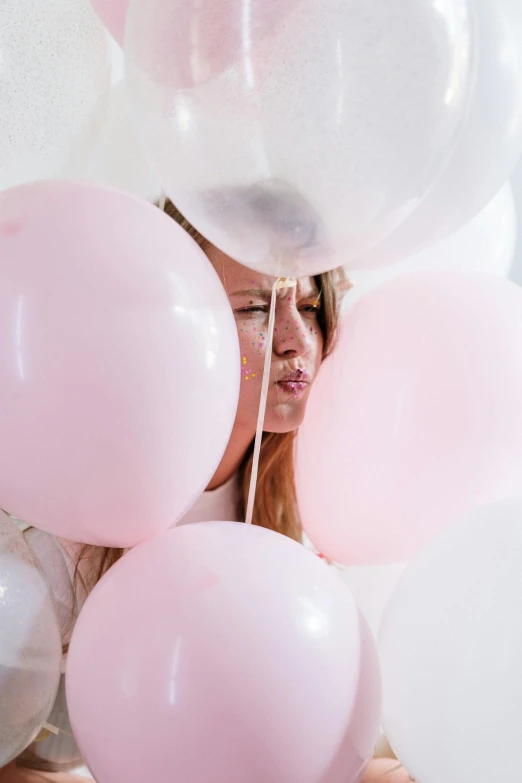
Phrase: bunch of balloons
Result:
[408,117]
[296,136]
[120,379]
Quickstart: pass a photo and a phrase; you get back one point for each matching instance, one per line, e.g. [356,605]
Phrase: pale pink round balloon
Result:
[119,364]
[228,653]
[113,14]
[183,45]
[202,41]
[416,418]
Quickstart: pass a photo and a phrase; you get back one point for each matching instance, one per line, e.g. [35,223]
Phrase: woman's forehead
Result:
[240,279]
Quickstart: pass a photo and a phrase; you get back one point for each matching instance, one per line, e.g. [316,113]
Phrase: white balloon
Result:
[372,588]
[117,61]
[486,244]
[117,159]
[451,653]
[489,147]
[54,79]
[516,184]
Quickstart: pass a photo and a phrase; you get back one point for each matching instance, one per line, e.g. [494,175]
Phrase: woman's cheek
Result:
[247,371]
[252,344]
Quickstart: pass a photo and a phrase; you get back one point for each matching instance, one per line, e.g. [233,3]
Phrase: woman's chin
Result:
[285,416]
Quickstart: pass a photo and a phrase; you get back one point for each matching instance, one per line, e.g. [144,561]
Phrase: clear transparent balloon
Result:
[30,646]
[489,146]
[54,79]
[295,135]
[485,244]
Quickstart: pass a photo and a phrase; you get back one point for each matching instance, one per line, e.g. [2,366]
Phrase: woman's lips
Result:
[296,388]
[295,383]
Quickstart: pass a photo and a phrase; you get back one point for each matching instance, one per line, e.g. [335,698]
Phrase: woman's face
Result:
[296,349]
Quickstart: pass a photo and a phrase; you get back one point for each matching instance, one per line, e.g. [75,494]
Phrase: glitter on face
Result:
[245,372]
[291,321]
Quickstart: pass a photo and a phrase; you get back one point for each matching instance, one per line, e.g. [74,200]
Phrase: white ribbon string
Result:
[52,729]
[281,282]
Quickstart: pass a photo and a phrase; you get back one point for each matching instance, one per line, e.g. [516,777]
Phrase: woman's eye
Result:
[252,310]
[310,309]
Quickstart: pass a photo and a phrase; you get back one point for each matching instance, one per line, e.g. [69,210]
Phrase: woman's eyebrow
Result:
[265,293]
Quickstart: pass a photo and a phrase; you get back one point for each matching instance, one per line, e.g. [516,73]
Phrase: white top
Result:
[56,559]
[216,505]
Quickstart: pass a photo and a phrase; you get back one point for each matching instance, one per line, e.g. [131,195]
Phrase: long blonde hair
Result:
[276,501]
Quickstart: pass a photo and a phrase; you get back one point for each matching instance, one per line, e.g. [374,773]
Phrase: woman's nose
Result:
[292,337]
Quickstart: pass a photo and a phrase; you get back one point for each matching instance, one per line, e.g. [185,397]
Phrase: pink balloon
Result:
[417,416]
[119,364]
[228,653]
[113,14]
[186,44]
[217,29]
